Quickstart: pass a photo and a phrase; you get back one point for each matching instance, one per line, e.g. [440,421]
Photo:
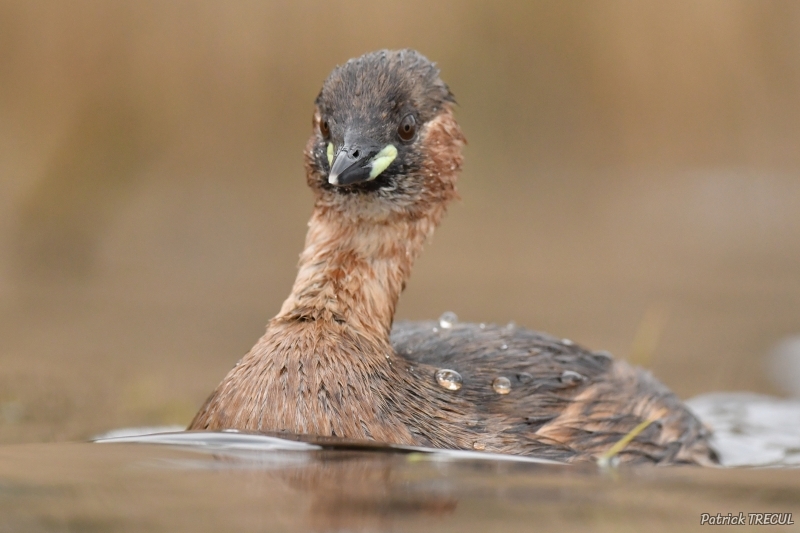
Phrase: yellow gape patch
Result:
[330,154]
[382,160]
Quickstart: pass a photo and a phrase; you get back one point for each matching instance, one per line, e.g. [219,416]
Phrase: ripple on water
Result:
[751,429]
[240,444]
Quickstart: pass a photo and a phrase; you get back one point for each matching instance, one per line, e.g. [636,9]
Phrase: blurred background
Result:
[632,182]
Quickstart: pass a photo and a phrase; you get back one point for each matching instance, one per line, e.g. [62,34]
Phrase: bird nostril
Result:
[355,154]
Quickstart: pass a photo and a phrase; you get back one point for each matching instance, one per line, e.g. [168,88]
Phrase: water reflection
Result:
[234,482]
[357,486]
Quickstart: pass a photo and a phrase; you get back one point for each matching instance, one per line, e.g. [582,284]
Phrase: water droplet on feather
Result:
[448,379]
[524,377]
[501,385]
[448,320]
[570,376]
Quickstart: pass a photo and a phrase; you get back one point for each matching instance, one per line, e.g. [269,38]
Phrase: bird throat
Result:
[351,274]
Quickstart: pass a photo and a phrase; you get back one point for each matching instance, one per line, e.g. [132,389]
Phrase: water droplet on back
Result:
[448,379]
[501,385]
[567,342]
[478,446]
[504,347]
[570,376]
[448,320]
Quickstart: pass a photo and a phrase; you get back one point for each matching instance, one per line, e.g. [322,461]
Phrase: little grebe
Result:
[382,162]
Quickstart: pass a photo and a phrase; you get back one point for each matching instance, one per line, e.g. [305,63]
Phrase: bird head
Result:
[384,141]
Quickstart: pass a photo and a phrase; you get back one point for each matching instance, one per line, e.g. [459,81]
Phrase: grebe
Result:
[382,162]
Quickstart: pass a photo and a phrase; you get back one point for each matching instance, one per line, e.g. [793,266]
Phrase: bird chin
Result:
[359,205]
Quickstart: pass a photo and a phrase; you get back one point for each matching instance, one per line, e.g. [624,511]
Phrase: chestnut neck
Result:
[351,272]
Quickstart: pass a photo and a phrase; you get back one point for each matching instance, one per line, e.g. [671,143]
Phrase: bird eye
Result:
[407,128]
[324,128]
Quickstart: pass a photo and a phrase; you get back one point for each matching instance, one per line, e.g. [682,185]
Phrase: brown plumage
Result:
[327,365]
